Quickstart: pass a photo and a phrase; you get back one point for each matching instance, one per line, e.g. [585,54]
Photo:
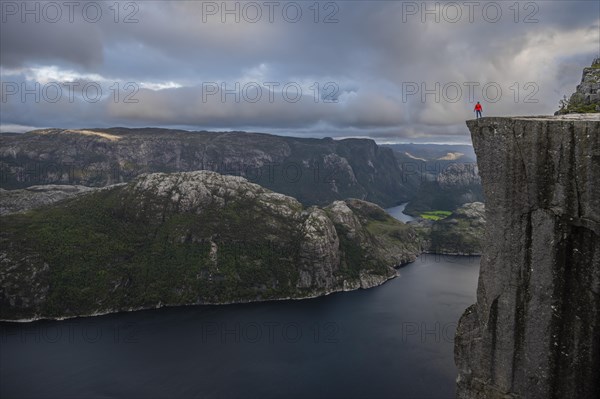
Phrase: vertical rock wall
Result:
[535,329]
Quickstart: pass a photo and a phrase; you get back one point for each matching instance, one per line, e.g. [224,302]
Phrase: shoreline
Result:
[345,287]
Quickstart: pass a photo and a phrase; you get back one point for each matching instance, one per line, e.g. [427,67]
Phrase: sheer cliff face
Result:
[535,329]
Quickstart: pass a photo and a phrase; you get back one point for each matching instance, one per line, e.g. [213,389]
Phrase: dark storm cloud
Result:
[38,40]
[40,44]
[374,53]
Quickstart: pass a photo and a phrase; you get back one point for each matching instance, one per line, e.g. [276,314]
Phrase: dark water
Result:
[393,341]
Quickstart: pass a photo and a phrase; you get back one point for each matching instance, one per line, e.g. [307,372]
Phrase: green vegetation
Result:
[106,254]
[576,104]
[581,108]
[121,248]
[354,257]
[459,237]
[585,99]
[382,242]
[435,215]
[459,233]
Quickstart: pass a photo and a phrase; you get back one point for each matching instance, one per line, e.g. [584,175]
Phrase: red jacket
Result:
[477,107]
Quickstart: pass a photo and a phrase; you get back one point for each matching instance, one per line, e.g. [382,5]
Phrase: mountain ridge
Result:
[316,171]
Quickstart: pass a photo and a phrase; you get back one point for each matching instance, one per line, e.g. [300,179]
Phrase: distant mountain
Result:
[315,171]
[446,185]
[189,238]
[461,233]
[434,152]
[443,177]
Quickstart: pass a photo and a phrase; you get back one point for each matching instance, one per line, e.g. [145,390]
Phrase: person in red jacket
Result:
[478,110]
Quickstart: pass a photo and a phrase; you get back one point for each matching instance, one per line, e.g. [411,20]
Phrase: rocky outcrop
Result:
[190,238]
[587,95]
[13,201]
[367,228]
[535,329]
[461,233]
[450,186]
[315,171]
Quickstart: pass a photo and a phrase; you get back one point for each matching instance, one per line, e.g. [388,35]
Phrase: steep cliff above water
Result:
[535,329]
[315,171]
[187,238]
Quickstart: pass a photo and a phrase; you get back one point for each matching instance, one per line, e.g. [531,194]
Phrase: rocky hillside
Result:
[461,233]
[535,329]
[433,152]
[14,201]
[315,171]
[189,238]
[587,95]
[446,187]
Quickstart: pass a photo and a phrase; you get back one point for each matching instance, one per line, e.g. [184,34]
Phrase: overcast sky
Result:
[394,71]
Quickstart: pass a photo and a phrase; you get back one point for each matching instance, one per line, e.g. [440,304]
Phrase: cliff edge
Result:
[535,329]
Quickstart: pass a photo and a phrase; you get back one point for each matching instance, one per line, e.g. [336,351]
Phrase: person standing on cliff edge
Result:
[478,110]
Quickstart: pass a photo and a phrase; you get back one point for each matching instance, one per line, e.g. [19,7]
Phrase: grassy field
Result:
[435,215]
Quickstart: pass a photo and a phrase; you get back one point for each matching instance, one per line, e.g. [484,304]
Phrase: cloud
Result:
[366,61]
